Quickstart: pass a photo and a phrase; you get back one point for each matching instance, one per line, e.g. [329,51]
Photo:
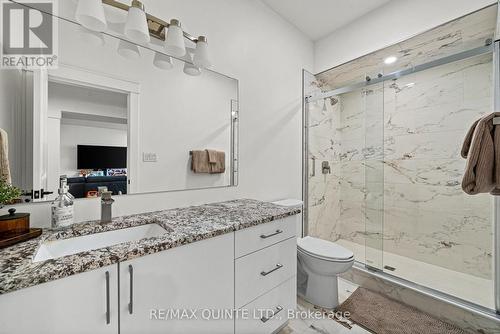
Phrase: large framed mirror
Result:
[118,116]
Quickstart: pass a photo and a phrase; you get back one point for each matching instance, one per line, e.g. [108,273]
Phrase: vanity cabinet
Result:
[265,275]
[194,278]
[83,303]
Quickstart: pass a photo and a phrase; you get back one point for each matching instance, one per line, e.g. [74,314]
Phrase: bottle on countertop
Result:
[62,207]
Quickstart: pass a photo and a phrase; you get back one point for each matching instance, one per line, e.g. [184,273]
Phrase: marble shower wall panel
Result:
[427,216]
[324,189]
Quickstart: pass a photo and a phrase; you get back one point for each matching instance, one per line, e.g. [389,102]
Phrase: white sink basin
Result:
[58,248]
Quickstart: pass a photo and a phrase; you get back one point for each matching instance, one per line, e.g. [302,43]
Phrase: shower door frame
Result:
[490,47]
[496,209]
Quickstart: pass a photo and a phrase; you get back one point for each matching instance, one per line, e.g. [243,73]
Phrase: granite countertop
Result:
[183,226]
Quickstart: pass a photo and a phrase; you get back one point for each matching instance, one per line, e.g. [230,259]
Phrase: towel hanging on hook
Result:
[481,149]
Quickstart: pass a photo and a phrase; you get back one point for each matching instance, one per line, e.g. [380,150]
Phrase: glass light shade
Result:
[90,14]
[162,61]
[174,40]
[128,50]
[191,70]
[136,27]
[201,58]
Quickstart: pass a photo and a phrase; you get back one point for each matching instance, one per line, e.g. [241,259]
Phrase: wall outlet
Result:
[149,157]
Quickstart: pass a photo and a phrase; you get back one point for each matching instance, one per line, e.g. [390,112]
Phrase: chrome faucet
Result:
[106,203]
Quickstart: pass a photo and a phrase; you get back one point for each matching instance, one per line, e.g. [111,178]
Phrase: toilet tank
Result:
[291,202]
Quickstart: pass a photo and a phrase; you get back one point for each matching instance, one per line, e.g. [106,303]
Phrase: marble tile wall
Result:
[396,169]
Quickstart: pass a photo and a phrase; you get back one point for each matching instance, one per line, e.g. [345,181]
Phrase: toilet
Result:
[319,263]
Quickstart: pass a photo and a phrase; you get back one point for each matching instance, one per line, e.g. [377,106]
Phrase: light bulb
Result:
[201,58]
[90,14]
[162,61]
[174,39]
[390,60]
[136,27]
[128,50]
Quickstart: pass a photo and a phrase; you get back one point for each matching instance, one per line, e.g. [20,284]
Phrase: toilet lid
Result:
[324,248]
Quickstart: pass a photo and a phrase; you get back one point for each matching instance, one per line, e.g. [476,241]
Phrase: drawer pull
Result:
[265,273]
[264,236]
[131,291]
[278,310]
[107,299]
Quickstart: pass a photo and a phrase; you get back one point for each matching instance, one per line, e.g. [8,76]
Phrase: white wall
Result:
[387,25]
[250,42]
[63,97]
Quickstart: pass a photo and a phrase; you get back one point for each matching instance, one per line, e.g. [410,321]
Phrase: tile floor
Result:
[304,325]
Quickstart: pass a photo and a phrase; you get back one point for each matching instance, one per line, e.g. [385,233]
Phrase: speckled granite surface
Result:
[183,225]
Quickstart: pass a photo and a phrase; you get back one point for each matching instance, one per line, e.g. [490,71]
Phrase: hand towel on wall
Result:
[481,148]
[4,157]
[199,161]
[217,161]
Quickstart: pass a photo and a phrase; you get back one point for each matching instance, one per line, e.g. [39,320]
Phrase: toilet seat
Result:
[323,249]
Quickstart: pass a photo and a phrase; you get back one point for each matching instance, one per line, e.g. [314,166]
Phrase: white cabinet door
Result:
[76,304]
[192,278]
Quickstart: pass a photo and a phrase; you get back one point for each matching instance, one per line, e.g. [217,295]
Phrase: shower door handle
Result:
[313,173]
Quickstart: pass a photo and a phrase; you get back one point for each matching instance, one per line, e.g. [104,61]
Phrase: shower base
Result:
[473,289]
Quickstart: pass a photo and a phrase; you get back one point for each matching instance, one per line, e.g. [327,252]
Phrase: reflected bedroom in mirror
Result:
[116,116]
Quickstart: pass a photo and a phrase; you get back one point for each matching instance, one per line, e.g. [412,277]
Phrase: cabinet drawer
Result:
[270,311]
[254,238]
[259,272]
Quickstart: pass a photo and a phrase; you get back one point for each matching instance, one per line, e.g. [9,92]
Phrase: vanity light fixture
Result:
[136,27]
[162,61]
[201,53]
[128,50]
[174,39]
[390,60]
[90,14]
[140,27]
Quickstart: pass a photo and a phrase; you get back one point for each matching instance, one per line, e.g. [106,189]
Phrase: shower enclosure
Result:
[382,163]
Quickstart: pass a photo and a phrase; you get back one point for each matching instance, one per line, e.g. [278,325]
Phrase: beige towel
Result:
[481,148]
[4,157]
[199,161]
[212,156]
[217,161]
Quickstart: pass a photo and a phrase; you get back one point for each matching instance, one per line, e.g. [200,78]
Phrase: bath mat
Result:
[382,315]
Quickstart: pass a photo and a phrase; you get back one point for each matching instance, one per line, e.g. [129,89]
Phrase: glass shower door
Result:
[373,103]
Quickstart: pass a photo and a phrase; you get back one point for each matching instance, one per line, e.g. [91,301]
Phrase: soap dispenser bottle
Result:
[63,206]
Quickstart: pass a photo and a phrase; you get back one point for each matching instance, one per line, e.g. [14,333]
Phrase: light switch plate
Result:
[149,157]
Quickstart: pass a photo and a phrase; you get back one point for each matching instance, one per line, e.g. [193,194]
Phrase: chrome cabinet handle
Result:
[265,273]
[264,236]
[131,300]
[107,299]
[278,310]
[313,167]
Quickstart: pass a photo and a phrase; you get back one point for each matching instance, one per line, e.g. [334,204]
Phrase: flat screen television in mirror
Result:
[101,157]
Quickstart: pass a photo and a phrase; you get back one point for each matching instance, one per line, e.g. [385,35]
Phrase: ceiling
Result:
[319,18]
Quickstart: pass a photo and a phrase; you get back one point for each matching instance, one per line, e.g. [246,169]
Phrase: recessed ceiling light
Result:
[390,60]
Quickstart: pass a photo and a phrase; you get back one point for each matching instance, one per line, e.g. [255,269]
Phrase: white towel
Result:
[4,157]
